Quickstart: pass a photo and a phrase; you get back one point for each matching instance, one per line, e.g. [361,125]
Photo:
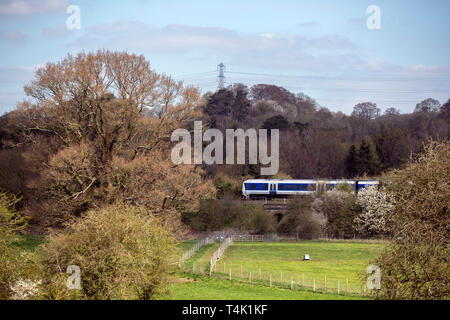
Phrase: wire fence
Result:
[285,280]
[274,237]
[254,237]
[217,254]
[189,253]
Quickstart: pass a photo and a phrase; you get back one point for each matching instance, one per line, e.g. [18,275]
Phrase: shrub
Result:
[339,209]
[226,213]
[16,267]
[376,205]
[415,264]
[302,219]
[24,289]
[122,252]
[227,185]
[259,221]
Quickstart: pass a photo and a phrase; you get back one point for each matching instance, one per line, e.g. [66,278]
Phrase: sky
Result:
[323,48]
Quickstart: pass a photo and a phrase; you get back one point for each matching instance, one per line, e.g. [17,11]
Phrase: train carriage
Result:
[282,188]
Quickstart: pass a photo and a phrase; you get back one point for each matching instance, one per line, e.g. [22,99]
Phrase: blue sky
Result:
[322,48]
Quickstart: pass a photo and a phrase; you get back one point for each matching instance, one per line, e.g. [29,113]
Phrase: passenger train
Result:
[268,188]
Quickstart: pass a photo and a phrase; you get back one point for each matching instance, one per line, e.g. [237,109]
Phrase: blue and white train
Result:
[269,188]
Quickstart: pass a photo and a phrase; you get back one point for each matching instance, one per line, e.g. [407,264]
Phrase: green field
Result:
[337,260]
[197,287]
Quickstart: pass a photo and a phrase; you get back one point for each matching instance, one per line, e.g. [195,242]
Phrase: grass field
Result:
[336,259]
[283,260]
[197,287]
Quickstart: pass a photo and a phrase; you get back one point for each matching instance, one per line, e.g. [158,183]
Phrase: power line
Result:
[194,74]
[332,78]
[374,89]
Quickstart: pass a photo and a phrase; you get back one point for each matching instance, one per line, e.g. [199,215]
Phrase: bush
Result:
[122,251]
[259,221]
[302,219]
[376,204]
[216,215]
[339,209]
[227,185]
[415,264]
[17,269]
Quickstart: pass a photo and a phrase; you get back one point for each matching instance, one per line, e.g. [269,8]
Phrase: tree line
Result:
[318,143]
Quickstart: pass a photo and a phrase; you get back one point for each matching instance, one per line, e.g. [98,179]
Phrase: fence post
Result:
[224,269]
[325,283]
[210,266]
[338,286]
[281,276]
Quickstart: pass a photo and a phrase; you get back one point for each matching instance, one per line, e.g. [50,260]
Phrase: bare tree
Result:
[112,116]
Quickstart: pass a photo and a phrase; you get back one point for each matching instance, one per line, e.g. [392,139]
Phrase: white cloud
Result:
[13,36]
[29,7]
[280,50]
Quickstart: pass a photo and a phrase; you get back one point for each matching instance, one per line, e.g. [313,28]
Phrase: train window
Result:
[296,187]
[256,186]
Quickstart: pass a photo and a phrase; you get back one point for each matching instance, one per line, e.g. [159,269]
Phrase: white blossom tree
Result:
[376,204]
